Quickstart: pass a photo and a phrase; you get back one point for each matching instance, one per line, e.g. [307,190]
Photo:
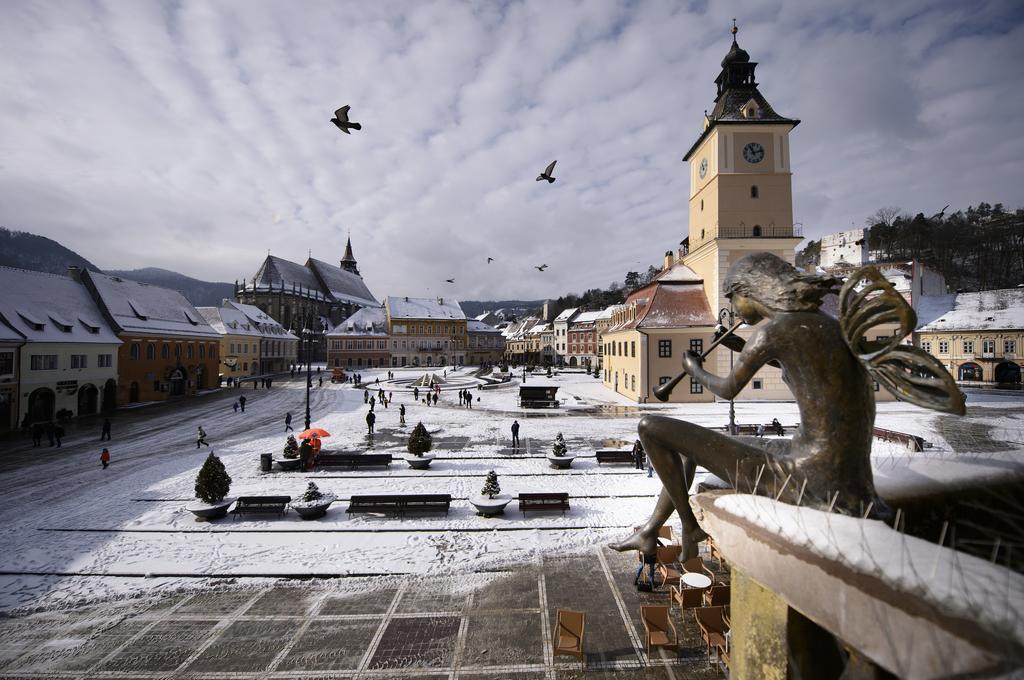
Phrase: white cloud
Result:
[195,136]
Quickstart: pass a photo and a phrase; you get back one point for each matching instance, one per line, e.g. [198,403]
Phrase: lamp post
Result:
[307,334]
[726,318]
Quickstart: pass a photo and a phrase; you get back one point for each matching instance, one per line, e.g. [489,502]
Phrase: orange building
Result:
[168,349]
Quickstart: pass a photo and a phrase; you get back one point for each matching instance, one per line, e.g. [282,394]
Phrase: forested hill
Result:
[981,248]
[199,293]
[27,251]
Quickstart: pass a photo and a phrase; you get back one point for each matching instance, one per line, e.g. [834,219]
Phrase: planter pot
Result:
[288,463]
[419,462]
[311,511]
[205,512]
[488,507]
[561,462]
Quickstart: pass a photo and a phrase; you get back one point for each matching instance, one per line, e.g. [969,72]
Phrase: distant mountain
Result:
[199,293]
[37,253]
[517,307]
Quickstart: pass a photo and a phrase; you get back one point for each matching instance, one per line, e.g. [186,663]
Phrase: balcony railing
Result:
[761,231]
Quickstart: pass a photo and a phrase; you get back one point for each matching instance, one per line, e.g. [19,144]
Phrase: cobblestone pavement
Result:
[478,626]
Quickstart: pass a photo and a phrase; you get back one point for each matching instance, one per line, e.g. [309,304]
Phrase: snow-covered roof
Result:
[142,308]
[587,317]
[671,305]
[343,285]
[424,308]
[1001,309]
[267,324]
[679,273]
[474,326]
[539,328]
[367,321]
[566,314]
[43,307]
[277,273]
[605,313]
[229,321]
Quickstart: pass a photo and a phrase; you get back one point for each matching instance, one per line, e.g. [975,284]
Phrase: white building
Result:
[560,326]
[849,247]
[68,364]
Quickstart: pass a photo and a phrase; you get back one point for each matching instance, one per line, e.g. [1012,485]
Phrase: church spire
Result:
[348,261]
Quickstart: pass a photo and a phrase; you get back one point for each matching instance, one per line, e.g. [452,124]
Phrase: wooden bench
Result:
[543,501]
[400,504]
[615,456]
[261,504]
[912,442]
[352,460]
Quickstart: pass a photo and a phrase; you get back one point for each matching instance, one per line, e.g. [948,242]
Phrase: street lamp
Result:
[726,319]
[307,334]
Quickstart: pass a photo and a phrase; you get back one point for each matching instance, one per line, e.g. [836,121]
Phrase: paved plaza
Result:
[481,626]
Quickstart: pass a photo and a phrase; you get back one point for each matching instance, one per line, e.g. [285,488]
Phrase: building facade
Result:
[239,342]
[560,326]
[426,331]
[167,350]
[10,356]
[68,363]
[845,247]
[485,343]
[360,341]
[279,347]
[979,336]
[581,347]
[316,295]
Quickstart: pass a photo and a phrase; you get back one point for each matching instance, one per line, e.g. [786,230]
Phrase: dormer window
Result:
[750,109]
[33,322]
[60,322]
[191,317]
[90,326]
[138,309]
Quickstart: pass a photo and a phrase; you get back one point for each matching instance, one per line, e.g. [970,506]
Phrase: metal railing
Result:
[761,231]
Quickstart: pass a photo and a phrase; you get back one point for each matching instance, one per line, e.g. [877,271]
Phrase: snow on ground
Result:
[72,531]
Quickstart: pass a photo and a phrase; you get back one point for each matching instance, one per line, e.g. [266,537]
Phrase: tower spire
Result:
[348,260]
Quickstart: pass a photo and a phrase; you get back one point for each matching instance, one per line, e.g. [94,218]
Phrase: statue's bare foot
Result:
[644,541]
[690,540]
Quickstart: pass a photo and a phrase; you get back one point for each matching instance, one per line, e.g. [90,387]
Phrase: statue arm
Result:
[747,363]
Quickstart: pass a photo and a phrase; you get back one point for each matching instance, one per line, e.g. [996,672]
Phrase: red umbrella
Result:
[314,432]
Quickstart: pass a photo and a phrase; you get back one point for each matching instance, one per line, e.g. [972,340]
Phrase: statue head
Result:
[776,284]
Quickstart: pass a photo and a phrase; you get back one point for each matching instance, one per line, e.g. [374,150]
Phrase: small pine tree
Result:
[559,449]
[291,447]
[312,493]
[213,481]
[491,488]
[420,441]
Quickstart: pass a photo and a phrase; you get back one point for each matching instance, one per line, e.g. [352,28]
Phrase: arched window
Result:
[753,191]
[150,350]
[757,230]
[135,351]
[165,351]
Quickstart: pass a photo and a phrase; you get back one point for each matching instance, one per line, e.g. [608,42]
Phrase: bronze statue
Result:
[829,366]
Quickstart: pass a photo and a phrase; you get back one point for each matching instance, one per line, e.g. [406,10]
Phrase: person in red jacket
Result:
[105,458]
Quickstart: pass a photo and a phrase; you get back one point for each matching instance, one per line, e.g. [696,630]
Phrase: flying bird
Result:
[547,173]
[490,260]
[450,280]
[341,120]
[540,268]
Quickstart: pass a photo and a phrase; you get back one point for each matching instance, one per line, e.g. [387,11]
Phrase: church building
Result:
[316,295]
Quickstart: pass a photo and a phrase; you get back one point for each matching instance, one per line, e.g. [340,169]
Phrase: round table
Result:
[695,580]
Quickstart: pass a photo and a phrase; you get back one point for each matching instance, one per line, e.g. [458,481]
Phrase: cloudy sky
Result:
[195,136]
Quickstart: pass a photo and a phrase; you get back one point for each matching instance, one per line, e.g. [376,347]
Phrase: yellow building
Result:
[978,337]
[426,331]
[239,342]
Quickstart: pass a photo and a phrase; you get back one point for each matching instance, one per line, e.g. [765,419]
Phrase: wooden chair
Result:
[711,621]
[716,596]
[686,598]
[667,557]
[695,565]
[716,553]
[658,626]
[568,635]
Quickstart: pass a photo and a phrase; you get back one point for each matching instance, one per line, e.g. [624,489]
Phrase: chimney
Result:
[669,260]
[74,273]
[544,315]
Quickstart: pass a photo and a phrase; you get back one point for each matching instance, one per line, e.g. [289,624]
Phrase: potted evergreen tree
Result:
[490,502]
[290,455]
[560,457]
[420,442]
[212,486]
[313,503]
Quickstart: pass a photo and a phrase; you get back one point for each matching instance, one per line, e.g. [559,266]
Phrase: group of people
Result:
[53,431]
[239,403]
[466,398]
[775,425]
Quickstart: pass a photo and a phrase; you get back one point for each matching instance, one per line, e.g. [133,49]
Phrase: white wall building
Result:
[850,247]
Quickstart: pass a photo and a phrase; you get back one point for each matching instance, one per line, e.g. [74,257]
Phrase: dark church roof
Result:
[737,86]
[343,286]
[277,274]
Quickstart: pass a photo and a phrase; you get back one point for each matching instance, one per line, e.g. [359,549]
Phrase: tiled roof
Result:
[424,308]
[229,321]
[142,308]
[42,307]
[675,306]
[270,326]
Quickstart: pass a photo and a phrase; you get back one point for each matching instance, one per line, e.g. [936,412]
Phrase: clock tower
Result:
[741,196]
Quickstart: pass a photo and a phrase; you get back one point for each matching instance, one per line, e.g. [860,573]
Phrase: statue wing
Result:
[911,374]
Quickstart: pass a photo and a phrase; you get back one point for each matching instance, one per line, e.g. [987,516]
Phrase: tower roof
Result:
[737,88]
[348,257]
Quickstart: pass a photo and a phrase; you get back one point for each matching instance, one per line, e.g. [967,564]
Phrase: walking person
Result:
[241,402]
[321,381]
[515,434]
[105,458]
[416,393]
[370,420]
[435,398]
[105,432]
[235,406]
[373,400]
[58,432]
[201,437]
[288,422]
[366,396]
[401,414]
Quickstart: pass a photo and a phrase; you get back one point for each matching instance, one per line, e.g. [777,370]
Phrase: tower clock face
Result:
[753,152]
[704,167]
